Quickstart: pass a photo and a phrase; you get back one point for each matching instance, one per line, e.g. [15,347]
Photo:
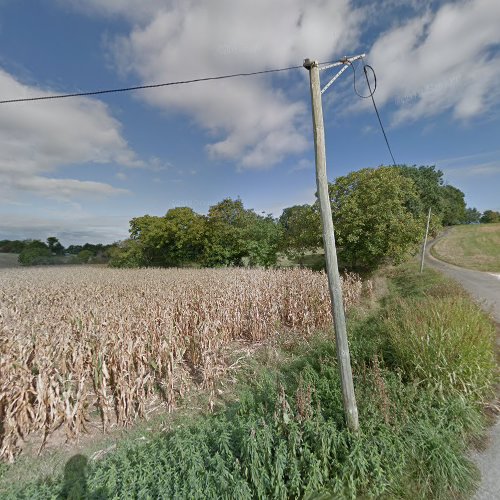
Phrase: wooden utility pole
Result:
[344,360]
[425,243]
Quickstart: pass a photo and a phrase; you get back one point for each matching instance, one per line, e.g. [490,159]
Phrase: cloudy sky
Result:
[81,168]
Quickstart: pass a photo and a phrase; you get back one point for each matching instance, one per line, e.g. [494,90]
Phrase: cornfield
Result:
[75,340]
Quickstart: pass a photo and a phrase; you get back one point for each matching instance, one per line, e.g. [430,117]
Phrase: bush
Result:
[35,253]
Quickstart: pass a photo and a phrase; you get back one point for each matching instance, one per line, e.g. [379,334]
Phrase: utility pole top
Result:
[308,64]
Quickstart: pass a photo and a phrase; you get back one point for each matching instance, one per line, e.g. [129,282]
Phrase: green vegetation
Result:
[230,235]
[379,216]
[490,217]
[36,252]
[474,247]
[373,222]
[282,435]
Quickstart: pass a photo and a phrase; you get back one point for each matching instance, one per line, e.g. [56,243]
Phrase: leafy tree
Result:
[447,202]
[472,216]
[126,254]
[490,216]
[35,252]
[84,257]
[301,226]
[228,235]
[149,232]
[173,240]
[373,219]
[429,186]
[12,246]
[453,206]
[234,233]
[184,238]
[264,237]
[55,246]
[74,249]
[225,243]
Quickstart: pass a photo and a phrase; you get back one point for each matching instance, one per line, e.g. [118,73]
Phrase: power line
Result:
[152,86]
[374,104]
[220,77]
[349,61]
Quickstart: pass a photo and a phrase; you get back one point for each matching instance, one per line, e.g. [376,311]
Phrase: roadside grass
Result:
[472,246]
[281,434]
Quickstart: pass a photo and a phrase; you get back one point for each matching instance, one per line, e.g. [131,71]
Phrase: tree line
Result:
[379,216]
[52,252]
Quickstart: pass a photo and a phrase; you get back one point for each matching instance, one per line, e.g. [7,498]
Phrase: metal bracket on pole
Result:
[345,61]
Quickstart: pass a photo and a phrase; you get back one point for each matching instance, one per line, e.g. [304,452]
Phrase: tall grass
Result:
[444,343]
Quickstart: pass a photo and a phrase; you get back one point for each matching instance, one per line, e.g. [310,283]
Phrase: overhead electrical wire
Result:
[371,95]
[219,77]
[152,86]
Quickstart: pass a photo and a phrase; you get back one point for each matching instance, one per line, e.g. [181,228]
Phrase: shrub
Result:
[35,253]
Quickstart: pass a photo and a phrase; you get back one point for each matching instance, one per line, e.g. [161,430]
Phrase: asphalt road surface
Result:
[485,289]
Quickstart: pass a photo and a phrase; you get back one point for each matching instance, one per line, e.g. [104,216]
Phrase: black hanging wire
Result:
[152,86]
[367,67]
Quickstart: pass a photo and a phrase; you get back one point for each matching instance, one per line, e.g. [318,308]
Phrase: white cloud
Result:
[130,9]
[481,169]
[73,228]
[441,61]
[121,176]
[302,164]
[251,122]
[37,138]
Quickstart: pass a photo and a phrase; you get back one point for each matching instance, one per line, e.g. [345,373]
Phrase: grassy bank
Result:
[474,246]
[421,373]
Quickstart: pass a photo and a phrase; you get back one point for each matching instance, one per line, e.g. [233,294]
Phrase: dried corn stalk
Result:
[78,339]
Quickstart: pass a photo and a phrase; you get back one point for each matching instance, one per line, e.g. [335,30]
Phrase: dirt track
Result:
[485,289]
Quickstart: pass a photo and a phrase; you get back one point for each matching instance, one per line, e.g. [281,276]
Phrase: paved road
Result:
[485,289]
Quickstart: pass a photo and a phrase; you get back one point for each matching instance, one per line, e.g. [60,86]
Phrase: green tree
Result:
[453,206]
[149,232]
[490,216]
[184,238]
[373,217]
[263,236]
[429,186]
[126,254]
[12,246]
[472,216]
[35,252]
[84,257]
[74,249]
[55,246]
[173,240]
[235,234]
[301,226]
[447,202]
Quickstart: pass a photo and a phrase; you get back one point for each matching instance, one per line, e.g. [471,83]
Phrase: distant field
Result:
[8,260]
[473,246]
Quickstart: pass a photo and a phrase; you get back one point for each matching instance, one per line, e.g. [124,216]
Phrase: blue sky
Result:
[80,168]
